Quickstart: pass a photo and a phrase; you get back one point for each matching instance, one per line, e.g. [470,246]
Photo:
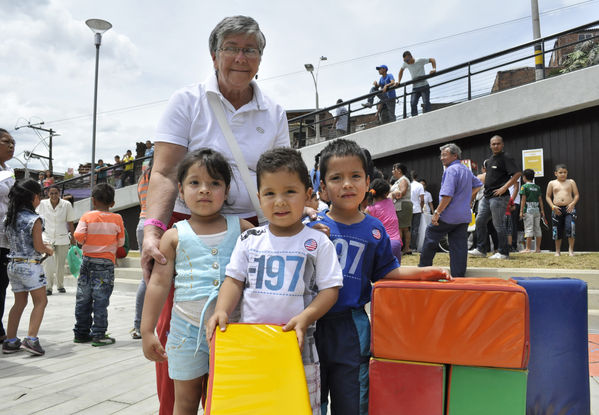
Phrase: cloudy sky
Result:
[158,46]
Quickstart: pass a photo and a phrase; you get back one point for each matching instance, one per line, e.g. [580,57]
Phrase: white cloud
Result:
[156,47]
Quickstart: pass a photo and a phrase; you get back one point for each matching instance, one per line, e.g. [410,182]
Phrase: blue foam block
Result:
[558,378]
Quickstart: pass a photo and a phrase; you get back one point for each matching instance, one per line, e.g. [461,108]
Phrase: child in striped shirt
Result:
[100,232]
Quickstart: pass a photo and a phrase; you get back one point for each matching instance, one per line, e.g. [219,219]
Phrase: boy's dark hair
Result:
[529,174]
[103,193]
[341,148]
[414,175]
[406,53]
[380,187]
[422,181]
[215,163]
[283,158]
[560,166]
[21,197]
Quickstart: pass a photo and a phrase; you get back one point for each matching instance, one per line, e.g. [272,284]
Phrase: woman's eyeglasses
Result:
[232,51]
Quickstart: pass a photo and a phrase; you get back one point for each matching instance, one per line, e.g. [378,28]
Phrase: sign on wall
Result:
[533,159]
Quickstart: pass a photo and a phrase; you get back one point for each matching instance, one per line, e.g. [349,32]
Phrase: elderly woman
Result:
[258,124]
[7,180]
[402,199]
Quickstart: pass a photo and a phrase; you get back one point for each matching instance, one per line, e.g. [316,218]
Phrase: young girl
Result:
[197,250]
[24,232]
[384,210]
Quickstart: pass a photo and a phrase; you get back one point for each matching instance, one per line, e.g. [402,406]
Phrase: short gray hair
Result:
[235,25]
[453,149]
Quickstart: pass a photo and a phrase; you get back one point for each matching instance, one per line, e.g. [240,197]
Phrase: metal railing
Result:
[79,187]
[462,82]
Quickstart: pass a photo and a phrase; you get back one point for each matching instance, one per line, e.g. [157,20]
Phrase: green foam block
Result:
[489,391]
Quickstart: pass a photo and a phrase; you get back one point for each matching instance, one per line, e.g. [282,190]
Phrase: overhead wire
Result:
[328,65]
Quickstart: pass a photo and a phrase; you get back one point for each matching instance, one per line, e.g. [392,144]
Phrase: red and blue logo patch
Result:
[376,234]
[310,244]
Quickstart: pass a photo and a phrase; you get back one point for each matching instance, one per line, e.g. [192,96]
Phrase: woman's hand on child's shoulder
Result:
[322,228]
[245,225]
[152,348]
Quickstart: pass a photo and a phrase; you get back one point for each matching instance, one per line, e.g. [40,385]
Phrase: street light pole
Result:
[536,34]
[310,68]
[97,26]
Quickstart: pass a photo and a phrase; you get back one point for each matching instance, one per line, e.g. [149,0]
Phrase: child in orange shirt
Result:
[101,233]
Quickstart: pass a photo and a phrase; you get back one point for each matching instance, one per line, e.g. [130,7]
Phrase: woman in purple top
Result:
[458,189]
[384,210]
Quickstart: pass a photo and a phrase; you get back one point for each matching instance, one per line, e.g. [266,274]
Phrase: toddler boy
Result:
[288,273]
[100,232]
[364,252]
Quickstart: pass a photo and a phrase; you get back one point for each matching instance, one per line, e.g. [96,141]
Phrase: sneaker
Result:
[62,290]
[102,341]
[476,253]
[135,333]
[82,339]
[367,105]
[11,347]
[48,292]
[499,256]
[33,346]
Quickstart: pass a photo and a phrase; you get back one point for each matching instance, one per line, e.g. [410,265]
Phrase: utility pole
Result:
[536,34]
[51,133]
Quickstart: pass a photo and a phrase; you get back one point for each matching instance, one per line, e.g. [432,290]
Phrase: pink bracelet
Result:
[155,222]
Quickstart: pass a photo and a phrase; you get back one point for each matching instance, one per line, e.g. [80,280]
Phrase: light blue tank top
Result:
[201,269]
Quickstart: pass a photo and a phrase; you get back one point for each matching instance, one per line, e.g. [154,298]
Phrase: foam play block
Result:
[484,390]
[256,369]
[468,321]
[406,388]
[558,378]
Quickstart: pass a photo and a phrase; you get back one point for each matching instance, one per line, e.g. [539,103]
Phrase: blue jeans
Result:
[492,208]
[94,287]
[457,235]
[425,93]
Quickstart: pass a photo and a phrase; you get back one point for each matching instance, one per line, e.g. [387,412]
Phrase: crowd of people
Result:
[223,206]
[123,169]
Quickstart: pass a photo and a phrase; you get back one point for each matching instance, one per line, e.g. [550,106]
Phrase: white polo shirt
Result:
[259,125]
[55,221]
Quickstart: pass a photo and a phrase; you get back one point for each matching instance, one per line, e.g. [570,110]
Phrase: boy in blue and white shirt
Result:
[288,273]
[364,251]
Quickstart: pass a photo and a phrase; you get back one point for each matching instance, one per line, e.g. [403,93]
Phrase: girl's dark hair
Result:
[21,197]
[215,163]
[341,148]
[378,188]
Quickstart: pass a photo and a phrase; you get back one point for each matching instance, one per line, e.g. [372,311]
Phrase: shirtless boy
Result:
[562,196]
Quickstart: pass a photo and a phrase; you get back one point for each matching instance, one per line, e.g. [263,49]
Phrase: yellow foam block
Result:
[256,369]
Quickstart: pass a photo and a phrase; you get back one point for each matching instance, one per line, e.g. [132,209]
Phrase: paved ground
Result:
[78,378]
[81,379]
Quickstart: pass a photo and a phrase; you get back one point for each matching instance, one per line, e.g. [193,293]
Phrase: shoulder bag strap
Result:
[250,184]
